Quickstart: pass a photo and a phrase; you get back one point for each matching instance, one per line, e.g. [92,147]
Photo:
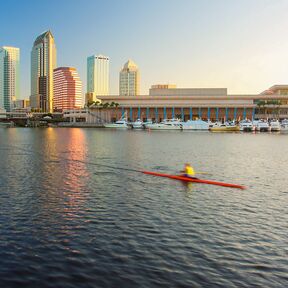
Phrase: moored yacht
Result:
[7,124]
[284,126]
[262,126]
[166,124]
[195,125]
[146,123]
[246,126]
[138,124]
[225,127]
[120,124]
[275,126]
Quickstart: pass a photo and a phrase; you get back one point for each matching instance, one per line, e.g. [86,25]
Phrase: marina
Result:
[200,125]
[173,124]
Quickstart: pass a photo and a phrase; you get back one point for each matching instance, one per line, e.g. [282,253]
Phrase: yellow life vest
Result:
[189,171]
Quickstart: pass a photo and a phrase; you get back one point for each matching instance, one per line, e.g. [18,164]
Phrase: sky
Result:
[239,45]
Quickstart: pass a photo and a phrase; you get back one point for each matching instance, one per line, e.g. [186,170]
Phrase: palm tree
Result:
[112,104]
[106,105]
[261,103]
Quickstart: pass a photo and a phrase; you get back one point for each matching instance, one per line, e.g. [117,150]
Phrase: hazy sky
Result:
[241,45]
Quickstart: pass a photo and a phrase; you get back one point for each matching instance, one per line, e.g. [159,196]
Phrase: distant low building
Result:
[163,86]
[203,103]
[23,103]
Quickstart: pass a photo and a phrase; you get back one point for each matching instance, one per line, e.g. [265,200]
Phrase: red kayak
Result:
[187,179]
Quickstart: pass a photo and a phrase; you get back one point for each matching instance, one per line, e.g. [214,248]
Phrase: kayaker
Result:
[189,171]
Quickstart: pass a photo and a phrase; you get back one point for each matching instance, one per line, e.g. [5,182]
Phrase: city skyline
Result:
[231,44]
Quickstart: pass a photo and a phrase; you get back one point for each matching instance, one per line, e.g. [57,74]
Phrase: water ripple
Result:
[68,218]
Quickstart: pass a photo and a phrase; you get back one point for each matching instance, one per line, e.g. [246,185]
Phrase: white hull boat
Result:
[195,125]
[275,126]
[284,126]
[247,126]
[120,124]
[167,124]
[138,124]
[147,123]
[6,124]
[262,126]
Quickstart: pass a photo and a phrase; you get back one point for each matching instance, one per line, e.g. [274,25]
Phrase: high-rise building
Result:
[98,75]
[9,76]
[67,89]
[129,80]
[43,62]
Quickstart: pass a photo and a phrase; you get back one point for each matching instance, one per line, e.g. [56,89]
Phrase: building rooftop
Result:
[100,56]
[274,89]
[41,37]
[130,64]
[188,92]
[163,86]
[65,68]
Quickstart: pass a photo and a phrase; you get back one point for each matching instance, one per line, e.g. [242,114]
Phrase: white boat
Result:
[262,126]
[138,124]
[246,126]
[195,125]
[120,124]
[146,123]
[166,124]
[275,126]
[7,124]
[284,126]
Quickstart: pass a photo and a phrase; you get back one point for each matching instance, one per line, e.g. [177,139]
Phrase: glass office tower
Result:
[9,77]
[98,75]
[43,62]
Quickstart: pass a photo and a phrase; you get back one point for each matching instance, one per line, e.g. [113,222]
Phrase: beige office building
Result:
[43,62]
[129,80]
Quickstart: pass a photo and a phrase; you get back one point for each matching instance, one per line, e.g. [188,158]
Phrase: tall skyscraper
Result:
[9,76]
[98,75]
[67,89]
[43,62]
[129,80]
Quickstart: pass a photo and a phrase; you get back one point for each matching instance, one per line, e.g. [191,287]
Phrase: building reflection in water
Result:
[65,171]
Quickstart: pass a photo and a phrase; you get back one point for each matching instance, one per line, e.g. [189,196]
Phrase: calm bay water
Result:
[67,219]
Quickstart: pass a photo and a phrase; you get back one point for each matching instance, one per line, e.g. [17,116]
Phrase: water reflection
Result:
[58,172]
[74,171]
[68,222]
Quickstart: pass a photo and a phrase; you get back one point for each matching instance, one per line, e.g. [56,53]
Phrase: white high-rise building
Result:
[9,76]
[98,75]
[43,62]
[129,80]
